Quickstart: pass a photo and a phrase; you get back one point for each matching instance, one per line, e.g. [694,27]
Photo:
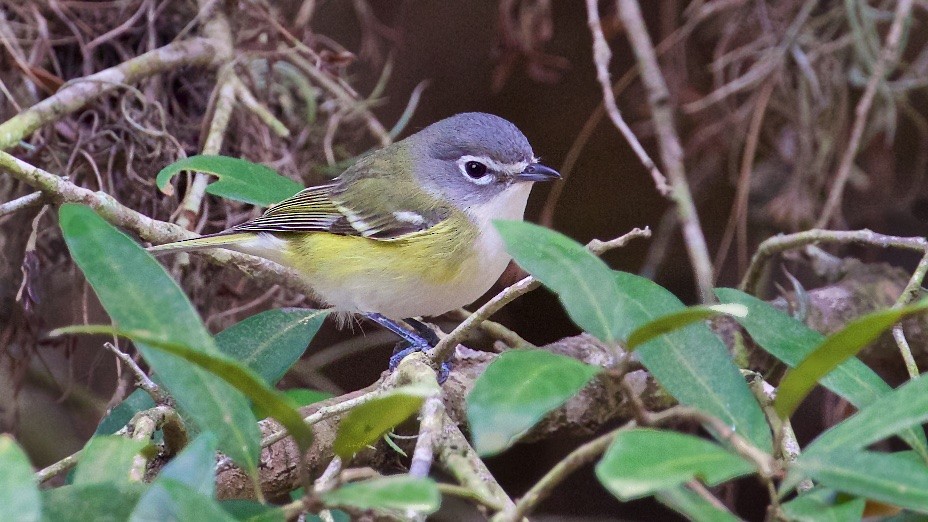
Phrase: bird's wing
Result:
[388,212]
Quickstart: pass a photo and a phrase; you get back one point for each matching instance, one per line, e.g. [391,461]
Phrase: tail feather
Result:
[221,240]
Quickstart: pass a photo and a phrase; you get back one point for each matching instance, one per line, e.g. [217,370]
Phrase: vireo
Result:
[407,230]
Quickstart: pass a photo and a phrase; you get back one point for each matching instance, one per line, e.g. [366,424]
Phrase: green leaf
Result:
[835,349]
[791,341]
[692,364]
[299,397]
[365,424]
[169,499]
[195,466]
[239,180]
[396,493]
[107,458]
[122,413]
[232,372]
[252,511]
[692,506]
[138,294]
[642,462]
[19,493]
[678,320]
[305,396]
[270,342]
[892,478]
[892,413]
[516,391]
[582,281]
[103,502]
[824,505]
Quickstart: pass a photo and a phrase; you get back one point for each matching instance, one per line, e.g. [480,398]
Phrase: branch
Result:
[78,93]
[59,190]
[889,53]
[668,141]
[782,243]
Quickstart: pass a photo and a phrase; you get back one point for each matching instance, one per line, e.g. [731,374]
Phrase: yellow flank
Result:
[432,256]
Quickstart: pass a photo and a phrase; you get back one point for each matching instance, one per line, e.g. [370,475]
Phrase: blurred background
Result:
[796,67]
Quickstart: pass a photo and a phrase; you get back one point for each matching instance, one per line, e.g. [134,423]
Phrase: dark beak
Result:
[537,172]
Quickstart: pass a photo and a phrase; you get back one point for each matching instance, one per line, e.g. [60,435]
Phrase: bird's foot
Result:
[423,339]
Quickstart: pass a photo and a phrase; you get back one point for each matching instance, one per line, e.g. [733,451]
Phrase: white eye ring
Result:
[482,179]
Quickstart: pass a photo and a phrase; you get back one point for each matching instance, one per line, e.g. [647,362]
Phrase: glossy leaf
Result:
[642,462]
[107,458]
[299,397]
[396,493]
[900,480]
[239,180]
[169,499]
[253,511]
[791,341]
[241,378]
[516,391]
[692,364]
[894,412]
[692,506]
[102,502]
[19,493]
[270,342]
[823,505]
[195,466]
[582,281]
[835,349]
[138,294]
[677,320]
[122,413]
[365,424]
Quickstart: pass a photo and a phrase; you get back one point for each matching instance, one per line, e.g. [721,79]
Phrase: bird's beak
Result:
[537,172]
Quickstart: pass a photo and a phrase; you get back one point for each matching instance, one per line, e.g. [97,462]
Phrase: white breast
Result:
[492,257]
[400,299]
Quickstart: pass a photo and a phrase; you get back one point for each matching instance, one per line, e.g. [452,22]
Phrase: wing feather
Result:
[332,208]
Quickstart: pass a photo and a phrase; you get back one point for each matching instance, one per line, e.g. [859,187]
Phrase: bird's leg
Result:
[411,338]
[421,340]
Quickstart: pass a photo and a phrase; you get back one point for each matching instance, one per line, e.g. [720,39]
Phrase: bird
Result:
[407,230]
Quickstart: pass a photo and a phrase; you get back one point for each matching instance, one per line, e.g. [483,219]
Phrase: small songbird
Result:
[407,230]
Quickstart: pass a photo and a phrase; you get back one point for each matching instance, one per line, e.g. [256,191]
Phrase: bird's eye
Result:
[475,169]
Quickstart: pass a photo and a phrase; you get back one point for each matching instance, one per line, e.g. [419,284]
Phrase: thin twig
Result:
[737,220]
[667,139]
[601,57]
[59,467]
[457,457]
[27,201]
[887,55]
[429,426]
[908,294]
[143,428]
[217,28]
[446,346]
[243,94]
[575,460]
[76,94]
[144,381]
[59,190]
[222,114]
[782,243]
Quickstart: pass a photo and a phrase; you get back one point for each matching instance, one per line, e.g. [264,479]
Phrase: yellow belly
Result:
[427,273]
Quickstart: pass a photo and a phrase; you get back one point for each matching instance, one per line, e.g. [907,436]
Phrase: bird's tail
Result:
[220,240]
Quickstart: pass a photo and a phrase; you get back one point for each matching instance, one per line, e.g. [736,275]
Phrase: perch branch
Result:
[78,93]
[668,142]
[782,243]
